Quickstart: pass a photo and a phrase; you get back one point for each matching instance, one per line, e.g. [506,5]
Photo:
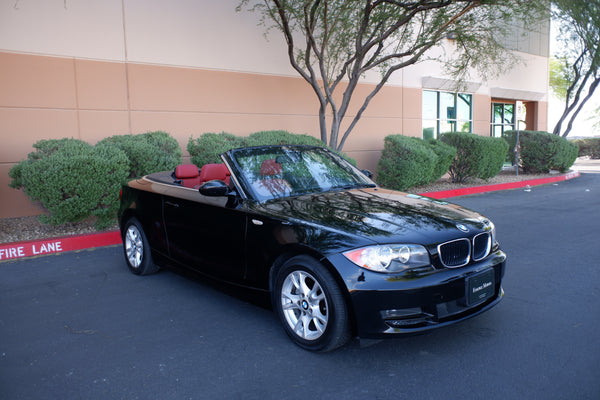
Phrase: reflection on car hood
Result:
[379,214]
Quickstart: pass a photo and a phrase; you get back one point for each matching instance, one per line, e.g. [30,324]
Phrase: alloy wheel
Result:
[304,305]
[134,246]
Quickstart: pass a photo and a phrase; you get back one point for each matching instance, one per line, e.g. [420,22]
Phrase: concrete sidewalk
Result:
[586,165]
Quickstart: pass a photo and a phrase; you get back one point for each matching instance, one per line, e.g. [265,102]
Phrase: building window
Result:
[446,112]
[503,118]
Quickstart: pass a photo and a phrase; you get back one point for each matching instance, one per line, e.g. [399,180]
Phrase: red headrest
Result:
[270,167]
[211,172]
[186,171]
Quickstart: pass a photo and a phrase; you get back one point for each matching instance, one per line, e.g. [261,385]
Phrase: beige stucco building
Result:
[89,69]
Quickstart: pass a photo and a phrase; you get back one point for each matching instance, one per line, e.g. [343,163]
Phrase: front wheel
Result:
[137,249]
[310,305]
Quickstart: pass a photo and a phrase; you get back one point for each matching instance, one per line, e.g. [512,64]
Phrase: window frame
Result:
[504,126]
[451,119]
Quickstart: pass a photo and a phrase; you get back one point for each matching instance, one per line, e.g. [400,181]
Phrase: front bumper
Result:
[384,305]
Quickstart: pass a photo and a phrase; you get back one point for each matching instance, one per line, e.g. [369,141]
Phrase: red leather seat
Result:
[210,172]
[272,185]
[188,175]
[270,167]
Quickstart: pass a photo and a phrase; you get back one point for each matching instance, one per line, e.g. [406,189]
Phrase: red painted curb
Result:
[15,250]
[500,186]
[33,248]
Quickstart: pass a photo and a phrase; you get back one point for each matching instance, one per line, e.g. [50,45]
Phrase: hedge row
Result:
[477,156]
[147,152]
[541,152]
[407,161]
[74,180]
[206,148]
[589,147]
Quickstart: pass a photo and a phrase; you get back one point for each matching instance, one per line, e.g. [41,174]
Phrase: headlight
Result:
[491,228]
[389,258]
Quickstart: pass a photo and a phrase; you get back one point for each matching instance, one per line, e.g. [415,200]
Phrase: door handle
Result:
[171,204]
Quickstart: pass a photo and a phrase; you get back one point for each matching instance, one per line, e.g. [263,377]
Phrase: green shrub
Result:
[46,147]
[73,180]
[405,162]
[476,156]
[147,152]
[495,151]
[266,138]
[541,152]
[511,138]
[589,147]
[206,148]
[43,149]
[566,155]
[16,175]
[445,155]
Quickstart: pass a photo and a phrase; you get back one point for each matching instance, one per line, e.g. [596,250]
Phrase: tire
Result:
[310,305]
[137,249]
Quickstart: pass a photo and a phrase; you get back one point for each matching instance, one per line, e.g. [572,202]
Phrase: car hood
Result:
[381,215]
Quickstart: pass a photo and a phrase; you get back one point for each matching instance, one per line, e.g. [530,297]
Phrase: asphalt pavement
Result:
[79,325]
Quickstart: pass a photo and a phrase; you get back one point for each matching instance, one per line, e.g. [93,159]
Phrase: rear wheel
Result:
[310,305]
[137,249]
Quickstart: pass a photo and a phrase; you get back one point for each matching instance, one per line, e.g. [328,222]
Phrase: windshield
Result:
[281,171]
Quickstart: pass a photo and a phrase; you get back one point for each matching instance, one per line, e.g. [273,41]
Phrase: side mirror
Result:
[368,173]
[214,188]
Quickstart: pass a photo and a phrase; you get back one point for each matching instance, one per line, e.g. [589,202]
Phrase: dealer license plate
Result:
[480,287]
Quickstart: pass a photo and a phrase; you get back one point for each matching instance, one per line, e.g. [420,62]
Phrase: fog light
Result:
[403,323]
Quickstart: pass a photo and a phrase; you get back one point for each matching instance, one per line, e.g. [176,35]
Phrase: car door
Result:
[206,234]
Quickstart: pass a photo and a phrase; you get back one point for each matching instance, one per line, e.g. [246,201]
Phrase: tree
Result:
[333,44]
[561,76]
[596,118]
[579,26]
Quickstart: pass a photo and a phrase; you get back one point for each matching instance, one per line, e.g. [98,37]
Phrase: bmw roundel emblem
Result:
[462,227]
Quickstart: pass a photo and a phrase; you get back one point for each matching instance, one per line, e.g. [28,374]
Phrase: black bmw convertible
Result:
[340,256]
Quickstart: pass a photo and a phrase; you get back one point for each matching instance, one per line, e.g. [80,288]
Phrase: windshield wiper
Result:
[317,189]
[357,186]
[313,190]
